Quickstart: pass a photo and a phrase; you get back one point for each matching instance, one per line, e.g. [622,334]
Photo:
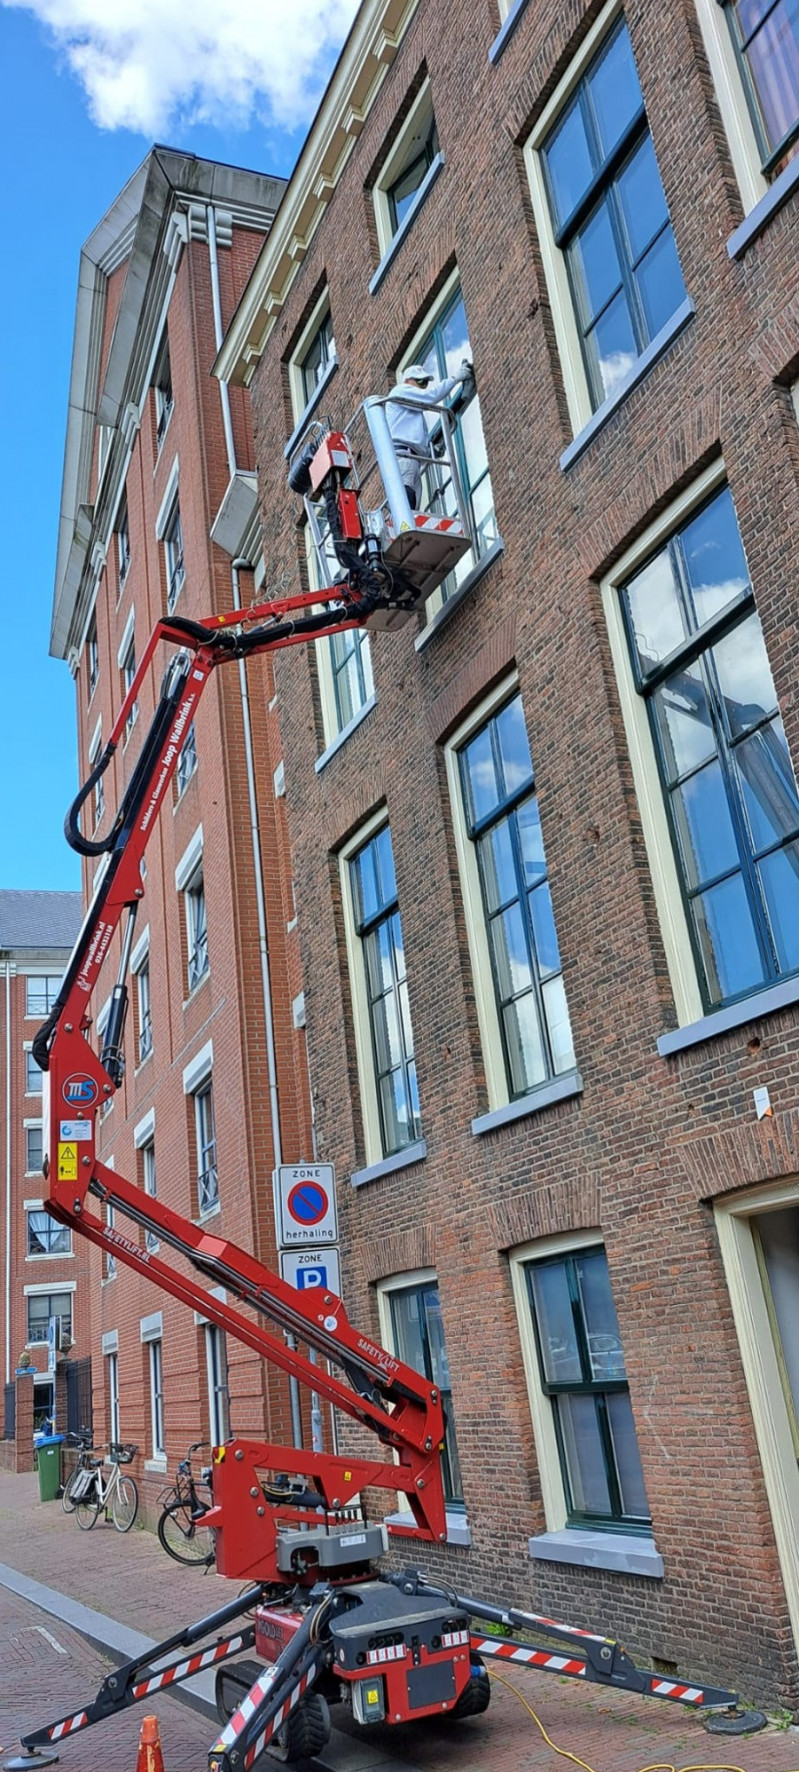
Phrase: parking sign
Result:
[311,1270]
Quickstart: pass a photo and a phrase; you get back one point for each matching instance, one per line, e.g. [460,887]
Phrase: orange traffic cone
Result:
[150,1757]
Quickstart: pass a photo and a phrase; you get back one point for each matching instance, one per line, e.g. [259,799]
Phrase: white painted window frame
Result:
[301,405]
[395,164]
[356,966]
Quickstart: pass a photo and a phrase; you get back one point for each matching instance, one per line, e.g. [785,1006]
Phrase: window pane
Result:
[714,558]
[385,866]
[779,1238]
[511,954]
[612,350]
[643,204]
[471,432]
[595,265]
[543,920]
[365,879]
[660,283]
[657,617]
[767,785]
[525,1045]
[773,57]
[528,824]
[455,338]
[779,875]
[559,1025]
[481,776]
[704,827]
[499,867]
[684,724]
[727,940]
[556,1327]
[514,748]
[745,679]
[615,91]
[568,161]
[584,1454]
[627,1457]
[599,1316]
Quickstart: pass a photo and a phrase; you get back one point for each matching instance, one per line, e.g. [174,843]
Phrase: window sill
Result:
[454,602]
[457,1526]
[67,1255]
[160,441]
[507,30]
[406,224]
[156,1465]
[759,217]
[624,1553]
[311,406]
[345,733]
[213,1212]
[413,1153]
[777,996]
[641,368]
[559,1089]
[196,988]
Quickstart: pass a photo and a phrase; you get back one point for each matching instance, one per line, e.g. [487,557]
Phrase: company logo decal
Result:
[80,1089]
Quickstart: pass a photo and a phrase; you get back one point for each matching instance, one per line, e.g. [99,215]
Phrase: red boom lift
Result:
[328,1624]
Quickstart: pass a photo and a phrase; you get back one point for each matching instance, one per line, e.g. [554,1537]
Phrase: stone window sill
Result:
[759,217]
[454,602]
[559,1089]
[457,1526]
[507,30]
[157,1465]
[648,358]
[414,1153]
[311,405]
[624,1553]
[345,733]
[406,224]
[778,996]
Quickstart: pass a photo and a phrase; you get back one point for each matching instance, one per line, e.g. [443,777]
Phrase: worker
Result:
[408,424]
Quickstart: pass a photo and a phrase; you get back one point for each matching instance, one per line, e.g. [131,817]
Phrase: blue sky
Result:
[61,171]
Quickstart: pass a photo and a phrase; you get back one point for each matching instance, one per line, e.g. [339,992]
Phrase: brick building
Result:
[44,1274]
[545,847]
[215,1089]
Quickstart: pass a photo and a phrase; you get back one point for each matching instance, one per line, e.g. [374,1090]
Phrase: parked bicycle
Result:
[83,1440]
[118,1495]
[180,1528]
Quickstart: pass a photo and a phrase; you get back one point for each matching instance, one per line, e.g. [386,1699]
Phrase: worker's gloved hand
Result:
[468,383]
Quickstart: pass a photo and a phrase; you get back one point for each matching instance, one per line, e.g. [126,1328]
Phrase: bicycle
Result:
[180,1530]
[83,1440]
[117,1494]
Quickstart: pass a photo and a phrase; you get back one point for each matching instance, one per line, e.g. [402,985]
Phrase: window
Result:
[112,1393]
[196,930]
[317,359]
[766,38]
[127,666]
[407,165]
[44,1305]
[700,666]
[143,1011]
[416,1335]
[95,747]
[312,362]
[164,398]
[109,1258]
[583,1376]
[442,348]
[44,1235]
[218,1395]
[382,987]
[33,1150]
[92,657]
[507,893]
[41,993]
[123,543]
[173,550]
[344,661]
[609,218]
[33,1075]
[149,1184]
[205,1133]
[187,761]
[156,1365]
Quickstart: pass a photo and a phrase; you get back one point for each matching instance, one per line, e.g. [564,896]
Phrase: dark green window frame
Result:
[468,440]
[378,926]
[770,76]
[402,191]
[429,1357]
[317,358]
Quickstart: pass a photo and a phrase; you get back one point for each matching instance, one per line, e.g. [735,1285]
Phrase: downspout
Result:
[8,1175]
[237,566]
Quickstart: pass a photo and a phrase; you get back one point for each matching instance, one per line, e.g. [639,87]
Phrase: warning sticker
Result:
[67,1162]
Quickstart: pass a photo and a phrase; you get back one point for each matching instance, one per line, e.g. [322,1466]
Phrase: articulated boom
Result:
[401,1408]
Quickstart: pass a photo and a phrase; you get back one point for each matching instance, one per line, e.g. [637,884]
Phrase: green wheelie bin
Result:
[48,1457]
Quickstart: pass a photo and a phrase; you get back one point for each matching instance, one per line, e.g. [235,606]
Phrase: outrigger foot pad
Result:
[23,1761]
[735,1722]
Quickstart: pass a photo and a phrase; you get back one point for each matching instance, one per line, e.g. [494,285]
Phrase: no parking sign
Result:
[305,1204]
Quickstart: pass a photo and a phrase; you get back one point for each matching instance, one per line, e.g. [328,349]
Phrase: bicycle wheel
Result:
[67,1502]
[184,1539]
[87,1509]
[124,1503]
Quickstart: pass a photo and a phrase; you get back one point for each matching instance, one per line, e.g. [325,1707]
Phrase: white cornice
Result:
[371,47]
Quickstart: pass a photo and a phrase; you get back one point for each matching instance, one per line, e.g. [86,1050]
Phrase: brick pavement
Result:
[130,1580]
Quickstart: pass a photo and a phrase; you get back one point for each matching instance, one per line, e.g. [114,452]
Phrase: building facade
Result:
[45,1275]
[215,1089]
[546,846]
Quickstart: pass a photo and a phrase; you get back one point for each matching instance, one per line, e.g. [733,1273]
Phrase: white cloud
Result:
[150,65]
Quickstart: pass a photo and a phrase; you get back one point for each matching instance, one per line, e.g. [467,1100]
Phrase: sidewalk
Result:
[131,1586]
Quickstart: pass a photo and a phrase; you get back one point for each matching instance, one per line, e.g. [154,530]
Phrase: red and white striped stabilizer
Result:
[673,1689]
[279,1718]
[496,1650]
[68,1726]
[194,1664]
[249,1705]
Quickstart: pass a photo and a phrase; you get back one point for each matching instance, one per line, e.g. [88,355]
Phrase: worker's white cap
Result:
[415,372]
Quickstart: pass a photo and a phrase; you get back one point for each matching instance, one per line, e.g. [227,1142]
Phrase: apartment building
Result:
[546,841]
[44,1275]
[215,1087]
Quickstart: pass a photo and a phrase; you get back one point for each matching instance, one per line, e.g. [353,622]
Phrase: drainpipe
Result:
[8,1175]
[240,565]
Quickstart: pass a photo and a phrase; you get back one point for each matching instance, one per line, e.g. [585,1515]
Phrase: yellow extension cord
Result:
[564,1754]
